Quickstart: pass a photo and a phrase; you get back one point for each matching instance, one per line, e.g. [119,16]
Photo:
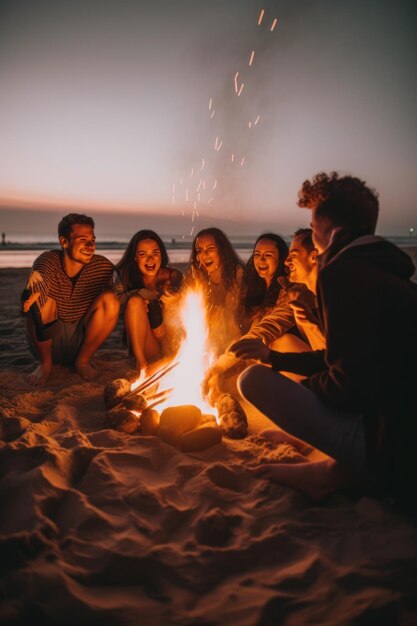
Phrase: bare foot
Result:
[86,371]
[40,375]
[280,436]
[316,480]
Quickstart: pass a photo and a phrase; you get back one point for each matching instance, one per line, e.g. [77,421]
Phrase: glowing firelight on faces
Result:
[193,358]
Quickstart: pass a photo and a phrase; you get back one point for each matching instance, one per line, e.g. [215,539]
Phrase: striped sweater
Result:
[72,300]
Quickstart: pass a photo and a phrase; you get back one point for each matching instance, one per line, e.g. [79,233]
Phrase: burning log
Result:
[177,420]
[115,391]
[135,403]
[123,420]
[200,438]
[208,418]
[232,418]
[181,418]
[149,421]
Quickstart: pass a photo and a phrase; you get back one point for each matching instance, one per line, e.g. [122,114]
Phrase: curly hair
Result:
[229,260]
[256,293]
[345,201]
[68,221]
[128,269]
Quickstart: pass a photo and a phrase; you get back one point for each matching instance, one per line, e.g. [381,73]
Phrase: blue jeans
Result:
[298,411]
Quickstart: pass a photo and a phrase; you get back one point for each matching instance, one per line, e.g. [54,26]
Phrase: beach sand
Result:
[102,527]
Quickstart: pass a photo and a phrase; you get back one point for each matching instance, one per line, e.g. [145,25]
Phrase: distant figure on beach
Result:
[302,263]
[357,403]
[3,239]
[149,290]
[265,308]
[68,300]
[218,271]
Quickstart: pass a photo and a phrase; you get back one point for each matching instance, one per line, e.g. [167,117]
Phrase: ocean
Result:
[20,252]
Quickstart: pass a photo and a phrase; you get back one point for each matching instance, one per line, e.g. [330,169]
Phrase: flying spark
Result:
[257,119]
[212,115]
[210,103]
[242,161]
[236,75]
[252,54]
[241,89]
[202,164]
[274,23]
[215,184]
[261,17]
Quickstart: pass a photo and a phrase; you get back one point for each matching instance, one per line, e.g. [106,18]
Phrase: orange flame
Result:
[193,357]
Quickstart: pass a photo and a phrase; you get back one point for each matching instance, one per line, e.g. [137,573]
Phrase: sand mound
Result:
[101,527]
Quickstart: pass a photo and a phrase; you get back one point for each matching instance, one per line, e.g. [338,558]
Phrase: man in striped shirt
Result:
[70,305]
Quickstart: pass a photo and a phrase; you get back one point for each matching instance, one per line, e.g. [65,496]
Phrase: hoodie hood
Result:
[374,250]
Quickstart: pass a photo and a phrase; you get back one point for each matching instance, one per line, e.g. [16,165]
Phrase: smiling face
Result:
[266,259]
[80,246]
[208,255]
[300,262]
[148,258]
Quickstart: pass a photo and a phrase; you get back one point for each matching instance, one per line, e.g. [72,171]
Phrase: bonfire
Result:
[167,400]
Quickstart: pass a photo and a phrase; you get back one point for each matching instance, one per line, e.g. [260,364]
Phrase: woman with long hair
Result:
[266,312]
[147,283]
[217,269]
[264,279]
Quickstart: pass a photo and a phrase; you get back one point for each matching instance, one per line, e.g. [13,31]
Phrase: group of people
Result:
[73,297]
[328,328]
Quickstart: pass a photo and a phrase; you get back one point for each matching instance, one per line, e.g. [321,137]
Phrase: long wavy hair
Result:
[127,267]
[229,260]
[256,293]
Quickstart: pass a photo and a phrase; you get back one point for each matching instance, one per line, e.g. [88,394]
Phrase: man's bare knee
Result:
[109,302]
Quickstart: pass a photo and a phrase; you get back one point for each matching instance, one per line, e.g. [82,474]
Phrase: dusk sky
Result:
[108,106]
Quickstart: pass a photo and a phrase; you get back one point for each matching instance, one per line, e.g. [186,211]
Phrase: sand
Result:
[101,527]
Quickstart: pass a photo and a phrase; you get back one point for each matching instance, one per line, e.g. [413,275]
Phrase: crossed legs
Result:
[304,418]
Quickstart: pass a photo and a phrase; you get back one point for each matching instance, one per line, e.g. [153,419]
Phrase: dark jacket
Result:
[368,309]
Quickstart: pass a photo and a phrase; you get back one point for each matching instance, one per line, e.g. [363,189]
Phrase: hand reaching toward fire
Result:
[212,380]
[251,349]
[210,386]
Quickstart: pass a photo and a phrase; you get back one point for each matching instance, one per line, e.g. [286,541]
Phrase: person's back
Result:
[372,349]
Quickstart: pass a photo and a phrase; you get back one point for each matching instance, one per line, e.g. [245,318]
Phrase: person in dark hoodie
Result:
[357,403]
